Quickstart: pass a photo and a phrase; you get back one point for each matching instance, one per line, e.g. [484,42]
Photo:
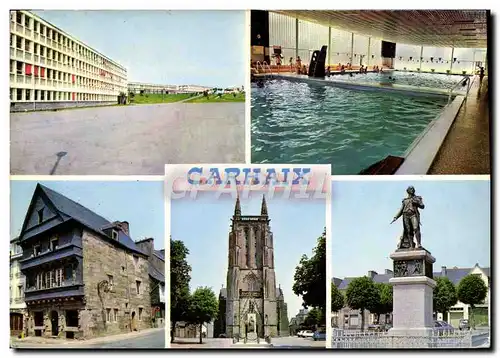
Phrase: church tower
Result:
[251,303]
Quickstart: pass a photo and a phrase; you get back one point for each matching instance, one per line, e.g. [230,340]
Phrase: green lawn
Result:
[149,98]
[240,97]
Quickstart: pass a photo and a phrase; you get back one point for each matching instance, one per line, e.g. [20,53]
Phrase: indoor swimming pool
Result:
[296,122]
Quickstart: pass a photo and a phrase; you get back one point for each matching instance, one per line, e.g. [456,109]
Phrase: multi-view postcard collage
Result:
[250,179]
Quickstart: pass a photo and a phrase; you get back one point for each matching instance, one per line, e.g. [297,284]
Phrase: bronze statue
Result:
[411,220]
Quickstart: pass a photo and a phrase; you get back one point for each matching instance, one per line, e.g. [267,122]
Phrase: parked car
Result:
[463,324]
[443,327]
[299,333]
[308,334]
[375,327]
[319,335]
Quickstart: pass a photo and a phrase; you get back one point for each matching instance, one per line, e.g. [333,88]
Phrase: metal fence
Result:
[383,340]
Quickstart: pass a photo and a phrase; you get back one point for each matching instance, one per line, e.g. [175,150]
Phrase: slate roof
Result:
[70,209]
[455,274]
[160,254]
[156,274]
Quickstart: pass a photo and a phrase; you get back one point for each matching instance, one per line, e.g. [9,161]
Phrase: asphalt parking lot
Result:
[129,140]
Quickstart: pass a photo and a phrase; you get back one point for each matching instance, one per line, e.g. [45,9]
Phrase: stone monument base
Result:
[413,288]
[252,342]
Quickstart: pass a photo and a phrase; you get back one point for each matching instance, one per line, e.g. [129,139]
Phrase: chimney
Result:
[372,274]
[443,271]
[388,272]
[125,227]
[146,245]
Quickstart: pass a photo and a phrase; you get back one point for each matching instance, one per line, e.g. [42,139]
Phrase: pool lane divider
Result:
[361,86]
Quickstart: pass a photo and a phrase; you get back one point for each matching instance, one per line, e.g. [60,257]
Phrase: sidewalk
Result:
[194,343]
[29,342]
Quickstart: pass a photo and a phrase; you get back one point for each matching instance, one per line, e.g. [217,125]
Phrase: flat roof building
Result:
[138,87]
[51,69]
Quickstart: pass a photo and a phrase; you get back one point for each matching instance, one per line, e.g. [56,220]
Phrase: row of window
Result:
[112,315]
[46,53]
[22,68]
[33,24]
[23,94]
[52,278]
[111,283]
[53,245]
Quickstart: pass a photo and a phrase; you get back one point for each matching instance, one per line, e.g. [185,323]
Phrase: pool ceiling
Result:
[437,28]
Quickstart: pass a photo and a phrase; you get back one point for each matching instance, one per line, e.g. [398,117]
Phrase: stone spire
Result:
[237,207]
[263,210]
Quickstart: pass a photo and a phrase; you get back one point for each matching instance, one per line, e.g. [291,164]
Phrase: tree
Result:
[310,277]
[314,318]
[384,304]
[180,275]
[203,307]
[362,294]
[472,291]
[338,299]
[445,295]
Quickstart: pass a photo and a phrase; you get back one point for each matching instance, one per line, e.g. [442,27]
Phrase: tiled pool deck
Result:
[466,148]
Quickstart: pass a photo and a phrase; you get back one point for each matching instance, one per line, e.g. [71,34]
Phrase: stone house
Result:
[156,270]
[85,276]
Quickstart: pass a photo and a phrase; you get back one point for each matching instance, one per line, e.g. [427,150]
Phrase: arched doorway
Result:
[54,320]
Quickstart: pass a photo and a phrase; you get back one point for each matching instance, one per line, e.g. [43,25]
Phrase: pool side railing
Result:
[469,85]
[263,66]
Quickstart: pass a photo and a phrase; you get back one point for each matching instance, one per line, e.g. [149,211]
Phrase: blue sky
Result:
[455,223]
[139,203]
[204,224]
[175,47]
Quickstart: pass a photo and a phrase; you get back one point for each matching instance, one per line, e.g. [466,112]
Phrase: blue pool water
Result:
[430,80]
[294,122]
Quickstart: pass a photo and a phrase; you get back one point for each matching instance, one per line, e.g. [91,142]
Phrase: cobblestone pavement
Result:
[150,338]
[129,140]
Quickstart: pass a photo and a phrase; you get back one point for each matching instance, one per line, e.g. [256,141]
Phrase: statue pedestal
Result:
[413,287]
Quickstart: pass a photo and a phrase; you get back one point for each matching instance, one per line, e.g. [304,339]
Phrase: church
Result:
[251,303]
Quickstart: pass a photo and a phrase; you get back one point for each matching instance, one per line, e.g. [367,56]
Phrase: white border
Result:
[86,177]
[248,91]
[427,177]
[167,231]
[173,170]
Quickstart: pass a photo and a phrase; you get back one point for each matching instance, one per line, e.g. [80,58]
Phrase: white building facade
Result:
[16,287]
[50,69]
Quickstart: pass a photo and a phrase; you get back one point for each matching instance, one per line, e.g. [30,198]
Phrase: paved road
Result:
[153,340]
[218,343]
[131,140]
[296,342]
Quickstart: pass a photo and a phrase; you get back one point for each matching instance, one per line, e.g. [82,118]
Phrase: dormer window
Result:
[40,216]
[114,234]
